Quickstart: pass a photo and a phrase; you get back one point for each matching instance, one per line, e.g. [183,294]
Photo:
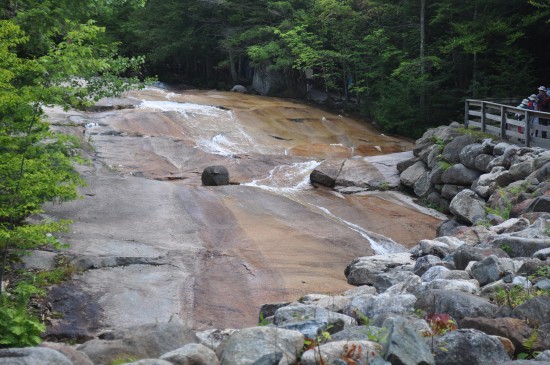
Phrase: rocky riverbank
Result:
[476,294]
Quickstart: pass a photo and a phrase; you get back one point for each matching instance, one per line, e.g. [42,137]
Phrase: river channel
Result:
[152,244]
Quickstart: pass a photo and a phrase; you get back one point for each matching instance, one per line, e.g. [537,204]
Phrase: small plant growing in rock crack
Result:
[506,248]
[517,295]
[315,344]
[529,343]
[263,321]
[440,323]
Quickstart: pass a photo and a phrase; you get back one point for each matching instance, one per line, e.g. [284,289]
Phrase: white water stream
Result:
[219,131]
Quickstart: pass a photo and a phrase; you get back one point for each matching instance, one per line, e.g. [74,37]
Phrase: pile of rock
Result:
[440,303]
[462,174]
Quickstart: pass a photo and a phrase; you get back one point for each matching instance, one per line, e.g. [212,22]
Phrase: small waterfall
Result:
[287,179]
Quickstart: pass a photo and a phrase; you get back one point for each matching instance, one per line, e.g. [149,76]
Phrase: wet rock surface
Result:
[234,236]
[151,243]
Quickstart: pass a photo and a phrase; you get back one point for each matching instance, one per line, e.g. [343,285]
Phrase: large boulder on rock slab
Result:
[326,173]
[215,176]
[144,341]
[380,305]
[468,347]
[261,345]
[32,356]
[468,207]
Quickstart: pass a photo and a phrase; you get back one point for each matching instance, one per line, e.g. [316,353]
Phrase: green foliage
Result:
[441,323]
[18,328]
[70,65]
[516,295]
[123,359]
[506,248]
[263,321]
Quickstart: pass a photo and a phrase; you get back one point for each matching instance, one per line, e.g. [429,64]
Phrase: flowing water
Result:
[211,256]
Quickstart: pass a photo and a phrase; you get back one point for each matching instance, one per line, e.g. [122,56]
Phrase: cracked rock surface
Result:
[150,244]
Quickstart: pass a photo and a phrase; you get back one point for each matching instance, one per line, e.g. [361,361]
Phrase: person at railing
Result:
[520,116]
[544,102]
[534,105]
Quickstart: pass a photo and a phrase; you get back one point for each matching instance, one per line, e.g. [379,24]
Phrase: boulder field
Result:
[479,293]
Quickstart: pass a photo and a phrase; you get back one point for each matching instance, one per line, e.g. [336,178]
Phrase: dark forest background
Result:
[406,64]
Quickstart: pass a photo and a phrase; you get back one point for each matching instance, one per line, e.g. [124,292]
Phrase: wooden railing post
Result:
[527,128]
[503,122]
[466,113]
[483,128]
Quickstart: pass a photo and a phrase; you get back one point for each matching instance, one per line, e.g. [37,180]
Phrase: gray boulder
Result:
[298,312]
[239,89]
[433,273]
[455,303]
[191,354]
[335,303]
[363,270]
[449,191]
[326,173]
[404,345]
[215,176]
[469,347]
[405,164]
[500,148]
[32,356]
[536,310]
[521,170]
[468,207]
[466,253]
[487,184]
[518,246]
[469,153]
[465,286]
[386,280]
[543,254]
[452,150]
[214,337]
[424,263]
[540,204]
[487,270]
[145,341]
[261,345]
[411,175]
[376,306]
[354,352]
[422,186]
[459,174]
[483,162]
[76,357]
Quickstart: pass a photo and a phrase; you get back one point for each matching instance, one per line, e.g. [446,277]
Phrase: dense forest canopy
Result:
[406,64]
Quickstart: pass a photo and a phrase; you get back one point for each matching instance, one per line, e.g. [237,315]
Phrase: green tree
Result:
[35,163]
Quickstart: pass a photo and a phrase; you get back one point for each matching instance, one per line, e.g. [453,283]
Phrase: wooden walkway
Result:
[501,120]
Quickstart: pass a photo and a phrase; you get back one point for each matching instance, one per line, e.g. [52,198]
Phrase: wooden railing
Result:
[533,130]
